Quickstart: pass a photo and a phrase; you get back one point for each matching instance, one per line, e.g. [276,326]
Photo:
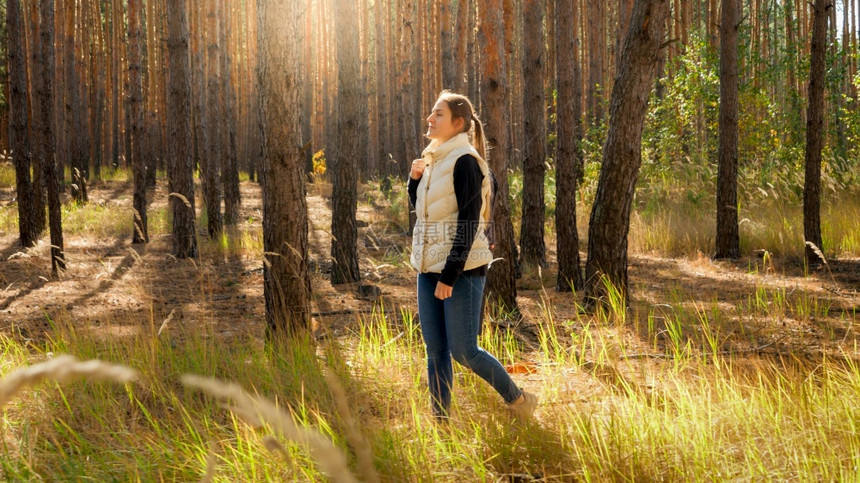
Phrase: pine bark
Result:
[462,33]
[230,168]
[19,141]
[596,46]
[728,237]
[212,129]
[34,53]
[180,164]
[815,134]
[352,109]
[622,153]
[383,49]
[286,280]
[501,279]
[449,69]
[138,165]
[72,106]
[406,80]
[532,246]
[45,121]
[569,164]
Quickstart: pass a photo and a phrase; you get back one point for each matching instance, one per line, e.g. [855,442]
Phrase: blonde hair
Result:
[461,108]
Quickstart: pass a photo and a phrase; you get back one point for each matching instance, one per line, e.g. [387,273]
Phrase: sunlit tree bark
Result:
[501,279]
[569,163]
[622,156]
[815,134]
[286,280]
[728,238]
[180,165]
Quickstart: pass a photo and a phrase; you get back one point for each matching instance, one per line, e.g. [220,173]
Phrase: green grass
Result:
[605,415]
[7,172]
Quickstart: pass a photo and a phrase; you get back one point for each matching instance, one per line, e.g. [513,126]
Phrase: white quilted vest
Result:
[436,208]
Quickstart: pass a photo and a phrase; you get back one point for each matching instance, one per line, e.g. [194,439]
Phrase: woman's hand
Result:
[443,291]
[417,169]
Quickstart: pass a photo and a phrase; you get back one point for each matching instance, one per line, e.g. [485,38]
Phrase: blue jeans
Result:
[450,328]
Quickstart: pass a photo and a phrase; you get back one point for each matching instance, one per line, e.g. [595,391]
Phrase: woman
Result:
[450,189]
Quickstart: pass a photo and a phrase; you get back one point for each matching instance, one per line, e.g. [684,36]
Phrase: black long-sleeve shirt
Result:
[468,180]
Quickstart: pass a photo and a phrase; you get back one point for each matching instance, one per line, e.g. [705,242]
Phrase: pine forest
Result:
[415,240]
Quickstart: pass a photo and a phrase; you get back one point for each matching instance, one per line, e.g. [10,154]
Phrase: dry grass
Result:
[719,370]
[62,368]
[258,411]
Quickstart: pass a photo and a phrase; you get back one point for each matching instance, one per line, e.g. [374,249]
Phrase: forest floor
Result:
[114,288]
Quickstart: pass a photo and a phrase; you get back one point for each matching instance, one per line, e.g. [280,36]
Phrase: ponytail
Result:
[479,140]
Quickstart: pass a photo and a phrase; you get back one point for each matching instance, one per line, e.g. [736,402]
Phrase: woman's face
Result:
[440,126]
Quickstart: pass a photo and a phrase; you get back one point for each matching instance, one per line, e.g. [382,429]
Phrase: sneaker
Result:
[525,407]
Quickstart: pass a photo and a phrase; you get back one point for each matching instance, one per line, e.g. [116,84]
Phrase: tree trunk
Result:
[596,46]
[45,121]
[569,163]
[138,166]
[501,279]
[34,132]
[98,103]
[532,247]
[213,127]
[116,71]
[286,280]
[180,164]
[449,69]
[383,49]
[154,148]
[622,153]
[230,169]
[728,239]
[815,134]
[307,87]
[411,147]
[72,106]
[462,32]
[19,142]
[352,109]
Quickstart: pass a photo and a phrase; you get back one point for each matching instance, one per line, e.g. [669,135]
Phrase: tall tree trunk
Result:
[180,164]
[255,123]
[72,107]
[138,165]
[286,280]
[407,81]
[307,86]
[596,46]
[19,141]
[728,238]
[98,103]
[214,122]
[501,279]
[449,69]
[815,134]
[515,109]
[153,146]
[37,156]
[532,246]
[351,143]
[569,164]
[198,82]
[45,121]
[230,170]
[622,153]
[116,60]
[383,50]
[463,33]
